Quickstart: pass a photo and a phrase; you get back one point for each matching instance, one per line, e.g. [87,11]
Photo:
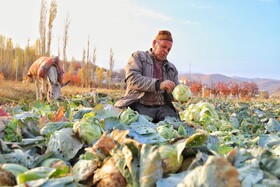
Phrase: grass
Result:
[13,92]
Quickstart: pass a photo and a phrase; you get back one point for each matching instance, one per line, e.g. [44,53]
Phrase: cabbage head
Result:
[181,93]
[202,112]
[167,131]
[88,129]
[171,162]
[129,116]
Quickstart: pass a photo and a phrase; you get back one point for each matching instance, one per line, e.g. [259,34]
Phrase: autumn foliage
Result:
[224,89]
[1,76]
[73,78]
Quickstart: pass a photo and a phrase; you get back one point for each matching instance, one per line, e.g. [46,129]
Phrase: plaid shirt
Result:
[154,98]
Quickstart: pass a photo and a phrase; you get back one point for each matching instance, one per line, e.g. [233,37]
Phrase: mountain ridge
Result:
[270,85]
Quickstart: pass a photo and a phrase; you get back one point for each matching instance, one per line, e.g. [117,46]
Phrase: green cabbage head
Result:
[88,129]
[181,93]
[171,161]
[167,131]
[129,116]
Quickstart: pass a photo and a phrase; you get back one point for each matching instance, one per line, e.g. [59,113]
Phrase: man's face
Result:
[161,49]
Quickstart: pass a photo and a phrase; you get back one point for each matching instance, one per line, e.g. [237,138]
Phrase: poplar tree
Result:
[42,26]
[89,73]
[8,58]
[108,78]
[93,66]
[2,51]
[65,40]
[52,15]
[94,57]
[58,47]
[111,60]
[17,62]
[111,63]
[100,76]
[26,59]
[83,70]
[88,44]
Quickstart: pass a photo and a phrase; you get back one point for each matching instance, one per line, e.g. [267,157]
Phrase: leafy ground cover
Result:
[85,141]
[15,92]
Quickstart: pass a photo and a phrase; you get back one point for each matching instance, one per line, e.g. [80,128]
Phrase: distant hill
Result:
[277,93]
[270,85]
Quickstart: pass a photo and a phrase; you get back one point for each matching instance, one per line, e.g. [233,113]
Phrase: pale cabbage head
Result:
[87,130]
[171,162]
[167,131]
[181,93]
[129,116]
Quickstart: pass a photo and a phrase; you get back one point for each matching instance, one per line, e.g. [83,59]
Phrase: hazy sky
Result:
[229,37]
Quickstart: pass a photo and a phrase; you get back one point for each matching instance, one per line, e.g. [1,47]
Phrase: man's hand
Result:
[167,85]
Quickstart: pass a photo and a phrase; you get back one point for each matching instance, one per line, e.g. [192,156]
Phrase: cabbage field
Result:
[86,141]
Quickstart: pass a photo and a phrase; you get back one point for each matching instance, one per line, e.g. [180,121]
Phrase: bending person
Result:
[150,79]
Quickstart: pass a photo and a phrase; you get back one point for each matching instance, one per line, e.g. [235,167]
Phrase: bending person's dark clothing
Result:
[150,79]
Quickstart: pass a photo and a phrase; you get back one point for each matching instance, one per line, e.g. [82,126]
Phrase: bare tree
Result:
[65,39]
[17,56]
[26,58]
[100,76]
[94,57]
[87,67]
[83,70]
[8,58]
[88,51]
[111,63]
[58,47]
[52,15]
[92,72]
[42,26]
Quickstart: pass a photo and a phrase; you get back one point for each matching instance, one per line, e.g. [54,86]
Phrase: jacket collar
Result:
[165,64]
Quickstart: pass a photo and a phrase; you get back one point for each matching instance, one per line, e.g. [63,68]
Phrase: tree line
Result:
[223,89]
[15,61]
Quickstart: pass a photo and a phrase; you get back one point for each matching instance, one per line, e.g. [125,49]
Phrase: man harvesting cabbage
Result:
[150,80]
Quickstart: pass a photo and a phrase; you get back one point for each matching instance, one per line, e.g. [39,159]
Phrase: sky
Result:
[230,37]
